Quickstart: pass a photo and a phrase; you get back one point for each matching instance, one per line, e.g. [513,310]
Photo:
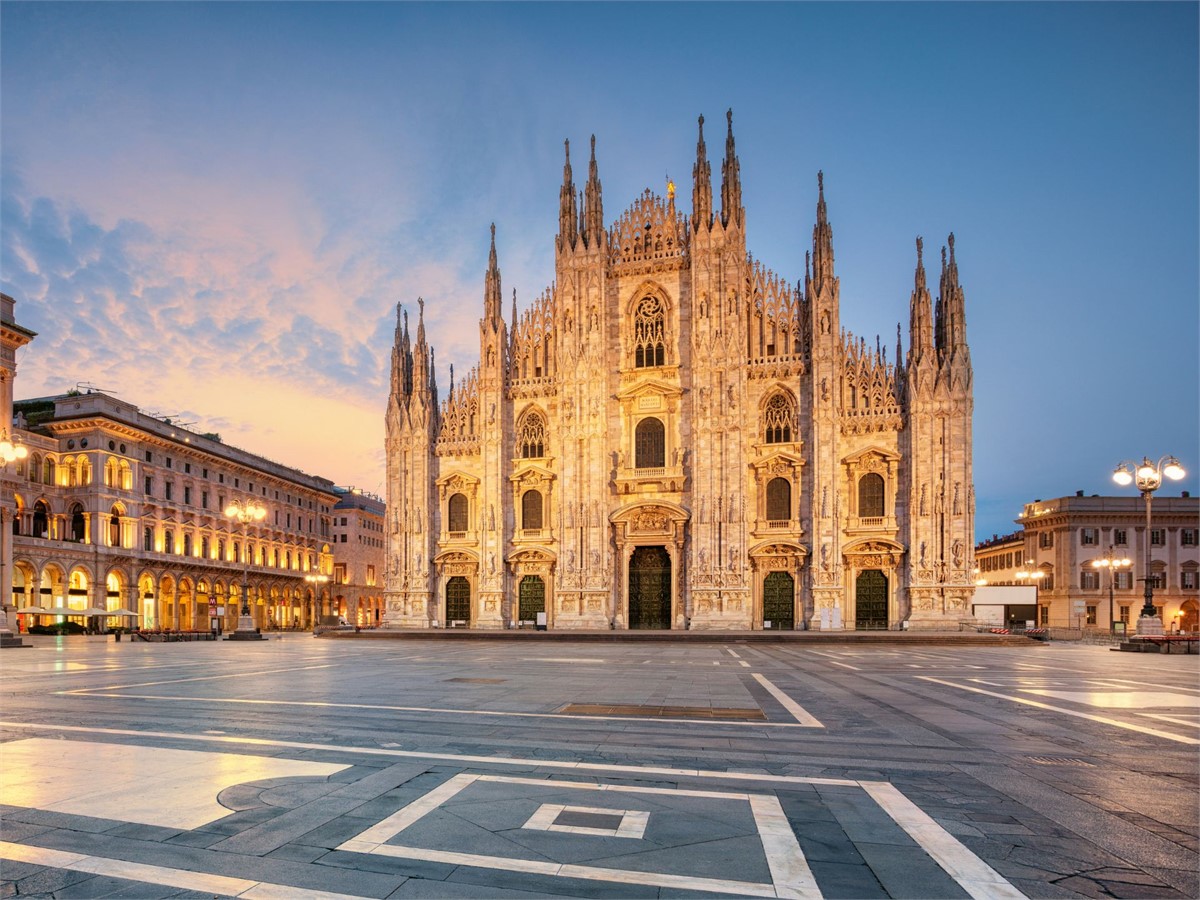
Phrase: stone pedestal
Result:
[1149,626]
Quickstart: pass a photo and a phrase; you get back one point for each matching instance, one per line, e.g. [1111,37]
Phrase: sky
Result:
[212,209]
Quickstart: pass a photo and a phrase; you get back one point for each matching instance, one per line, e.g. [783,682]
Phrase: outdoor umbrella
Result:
[32,610]
[122,612]
[93,611]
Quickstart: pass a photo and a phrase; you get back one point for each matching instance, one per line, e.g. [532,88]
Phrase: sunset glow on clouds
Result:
[213,209]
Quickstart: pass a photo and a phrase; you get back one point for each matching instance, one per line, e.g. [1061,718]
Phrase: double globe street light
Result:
[1111,561]
[246,511]
[1149,477]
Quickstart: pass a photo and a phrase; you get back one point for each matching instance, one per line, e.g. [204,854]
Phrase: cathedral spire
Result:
[491,287]
[920,316]
[822,238]
[401,387]
[731,180]
[593,208]
[952,325]
[702,216]
[567,215]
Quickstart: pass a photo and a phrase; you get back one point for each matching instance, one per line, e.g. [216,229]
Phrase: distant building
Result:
[674,437]
[1064,536]
[996,602]
[359,551]
[118,508]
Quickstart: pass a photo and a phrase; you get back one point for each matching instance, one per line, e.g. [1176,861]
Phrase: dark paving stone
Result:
[389,865]
[846,881]
[50,881]
[16,832]
[420,889]
[195,839]
[144,832]
[908,872]
[548,884]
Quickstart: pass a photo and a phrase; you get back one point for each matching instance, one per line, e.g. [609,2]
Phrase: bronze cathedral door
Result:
[871,598]
[650,588]
[779,601]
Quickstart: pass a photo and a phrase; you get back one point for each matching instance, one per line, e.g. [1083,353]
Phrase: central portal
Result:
[650,588]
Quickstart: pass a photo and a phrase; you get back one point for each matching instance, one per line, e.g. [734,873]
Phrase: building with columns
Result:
[1066,540]
[116,508]
[673,436]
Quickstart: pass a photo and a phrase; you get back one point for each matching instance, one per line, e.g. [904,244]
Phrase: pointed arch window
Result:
[649,330]
[779,419]
[870,495]
[531,436]
[457,512]
[779,500]
[531,510]
[650,444]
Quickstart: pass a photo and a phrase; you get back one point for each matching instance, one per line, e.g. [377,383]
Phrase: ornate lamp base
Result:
[245,630]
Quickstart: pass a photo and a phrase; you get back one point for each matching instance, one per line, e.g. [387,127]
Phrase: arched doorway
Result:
[458,602]
[532,599]
[1189,616]
[779,601]
[871,601]
[650,588]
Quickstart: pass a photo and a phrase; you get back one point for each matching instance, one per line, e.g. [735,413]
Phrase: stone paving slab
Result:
[990,797]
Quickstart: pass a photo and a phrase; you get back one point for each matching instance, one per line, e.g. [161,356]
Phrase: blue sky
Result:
[212,209]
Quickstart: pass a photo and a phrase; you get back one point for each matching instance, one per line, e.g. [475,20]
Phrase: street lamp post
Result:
[1033,576]
[246,511]
[9,452]
[1111,561]
[316,580]
[1148,477]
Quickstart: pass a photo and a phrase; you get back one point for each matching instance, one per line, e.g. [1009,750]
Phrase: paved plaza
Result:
[299,767]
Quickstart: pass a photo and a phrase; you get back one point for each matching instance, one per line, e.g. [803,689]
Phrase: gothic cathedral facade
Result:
[674,437]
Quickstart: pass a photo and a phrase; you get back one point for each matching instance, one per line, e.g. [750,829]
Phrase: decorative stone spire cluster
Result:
[921,354]
[593,205]
[413,378]
[580,223]
[568,217]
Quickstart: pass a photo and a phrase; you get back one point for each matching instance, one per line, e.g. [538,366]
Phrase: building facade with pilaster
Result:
[119,509]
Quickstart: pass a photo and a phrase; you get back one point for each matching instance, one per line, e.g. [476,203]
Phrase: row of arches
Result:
[177,601]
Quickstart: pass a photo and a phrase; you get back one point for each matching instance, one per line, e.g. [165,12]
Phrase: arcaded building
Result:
[674,437]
